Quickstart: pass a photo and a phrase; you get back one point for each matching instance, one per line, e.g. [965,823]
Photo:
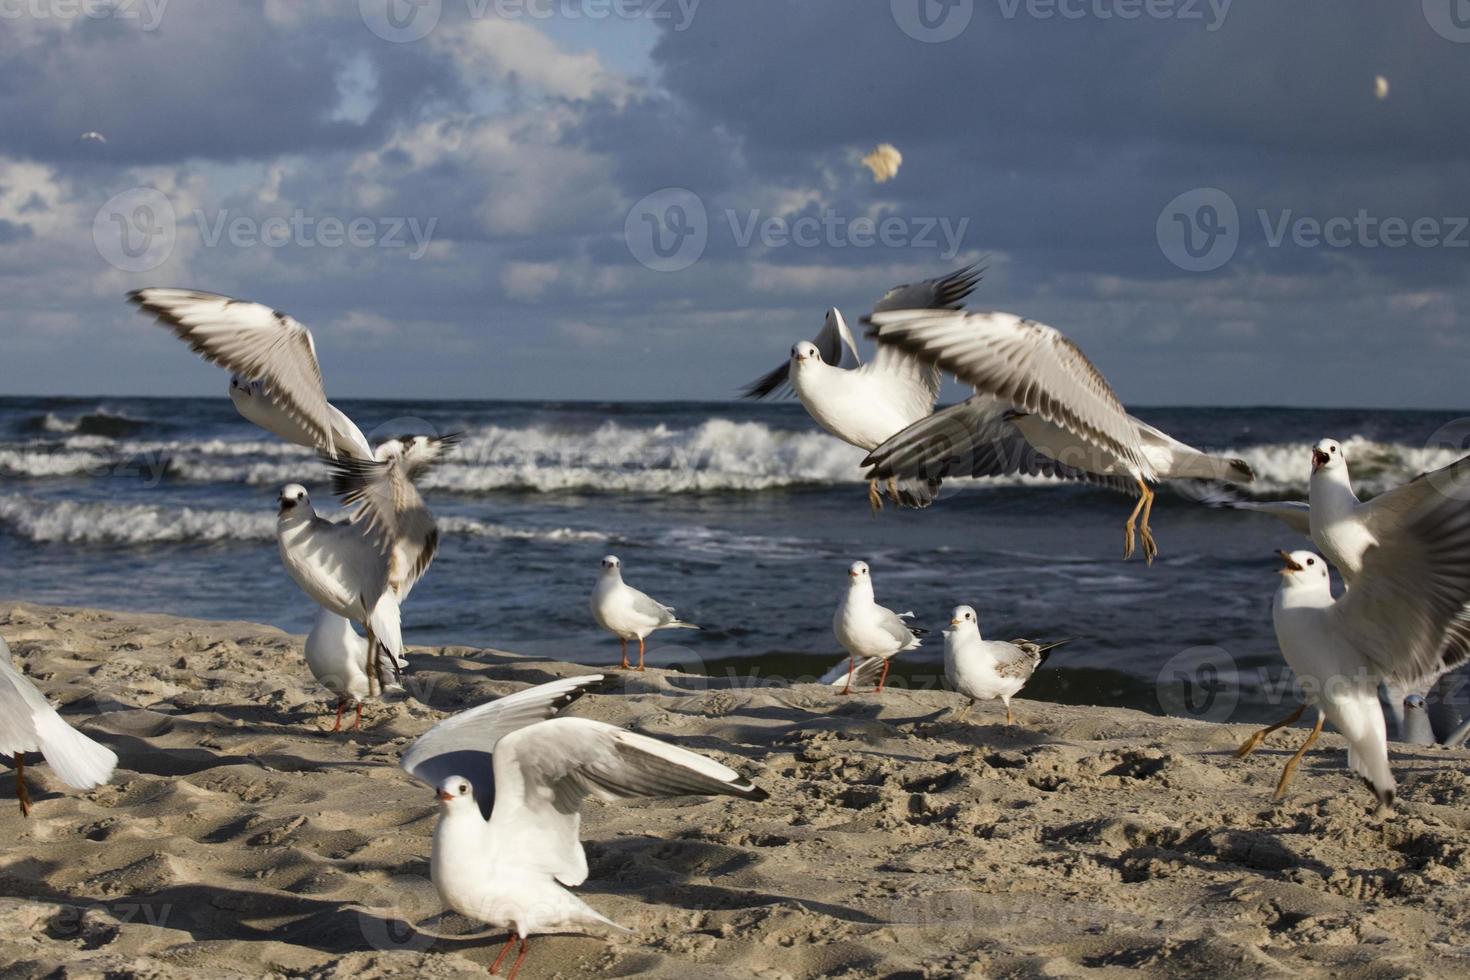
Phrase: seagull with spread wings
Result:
[865,404]
[1041,407]
[512,778]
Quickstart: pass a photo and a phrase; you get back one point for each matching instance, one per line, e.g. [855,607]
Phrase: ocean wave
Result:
[98,422]
[1283,470]
[75,522]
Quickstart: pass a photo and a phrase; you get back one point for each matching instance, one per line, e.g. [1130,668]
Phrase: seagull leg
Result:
[882,677]
[1128,538]
[21,793]
[874,500]
[640,653]
[373,667]
[1286,773]
[1255,740]
[357,725]
[516,966]
[965,710]
[893,490]
[1150,547]
[624,641]
[509,942]
[341,706]
[1009,719]
[851,666]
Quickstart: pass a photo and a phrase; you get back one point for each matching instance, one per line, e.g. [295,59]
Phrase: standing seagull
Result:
[627,613]
[866,629]
[511,780]
[866,404]
[988,669]
[28,723]
[1390,626]
[342,567]
[1032,381]
[338,658]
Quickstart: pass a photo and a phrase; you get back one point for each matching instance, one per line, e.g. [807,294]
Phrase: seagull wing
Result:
[919,382]
[1387,511]
[28,723]
[944,293]
[973,438]
[462,745]
[544,772]
[1024,363]
[1405,611]
[255,342]
[831,341]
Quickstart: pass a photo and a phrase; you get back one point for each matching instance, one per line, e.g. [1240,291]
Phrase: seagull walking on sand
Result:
[511,780]
[338,658]
[627,613]
[1389,627]
[983,670]
[868,630]
[865,404]
[1034,388]
[28,723]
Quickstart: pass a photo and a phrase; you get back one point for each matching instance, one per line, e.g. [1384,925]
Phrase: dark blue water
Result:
[744,517]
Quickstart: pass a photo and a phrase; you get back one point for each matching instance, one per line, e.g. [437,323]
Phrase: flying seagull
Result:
[511,780]
[1035,388]
[865,404]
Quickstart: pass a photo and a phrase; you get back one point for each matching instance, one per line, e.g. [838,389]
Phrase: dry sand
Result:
[240,838]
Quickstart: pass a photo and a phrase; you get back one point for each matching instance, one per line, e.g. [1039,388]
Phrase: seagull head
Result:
[611,565]
[805,352]
[964,616]
[293,496]
[245,387]
[1416,701]
[1302,568]
[857,573]
[456,793]
[1327,454]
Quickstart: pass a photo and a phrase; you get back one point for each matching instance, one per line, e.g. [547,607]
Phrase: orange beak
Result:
[445,796]
[1290,563]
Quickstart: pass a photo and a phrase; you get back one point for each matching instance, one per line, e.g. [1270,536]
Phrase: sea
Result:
[744,517]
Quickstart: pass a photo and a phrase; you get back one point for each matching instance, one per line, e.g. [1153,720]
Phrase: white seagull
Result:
[868,630]
[627,613]
[28,723]
[983,670]
[338,658]
[1389,627]
[1032,382]
[511,781]
[342,567]
[866,404]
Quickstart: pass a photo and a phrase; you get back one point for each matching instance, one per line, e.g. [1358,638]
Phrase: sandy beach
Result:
[240,838]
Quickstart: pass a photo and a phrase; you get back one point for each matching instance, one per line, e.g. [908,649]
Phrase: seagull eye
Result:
[1311,561]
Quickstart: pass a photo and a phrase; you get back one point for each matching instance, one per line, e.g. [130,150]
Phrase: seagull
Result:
[92,136]
[1416,728]
[866,629]
[866,404]
[28,723]
[988,669]
[507,858]
[338,658]
[256,403]
[1036,388]
[342,567]
[627,613]
[1389,627]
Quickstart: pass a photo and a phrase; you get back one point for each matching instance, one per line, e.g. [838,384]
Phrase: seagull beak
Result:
[954,622]
[445,796]
[1289,563]
[1319,460]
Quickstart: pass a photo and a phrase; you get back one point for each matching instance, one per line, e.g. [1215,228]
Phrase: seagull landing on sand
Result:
[1387,627]
[511,780]
[868,630]
[1034,388]
[28,723]
[983,670]
[627,613]
[342,567]
[338,658]
[866,404]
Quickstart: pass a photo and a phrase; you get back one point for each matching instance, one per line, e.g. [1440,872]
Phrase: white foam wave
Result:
[1283,470]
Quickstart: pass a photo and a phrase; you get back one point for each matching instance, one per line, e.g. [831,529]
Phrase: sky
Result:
[1247,202]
